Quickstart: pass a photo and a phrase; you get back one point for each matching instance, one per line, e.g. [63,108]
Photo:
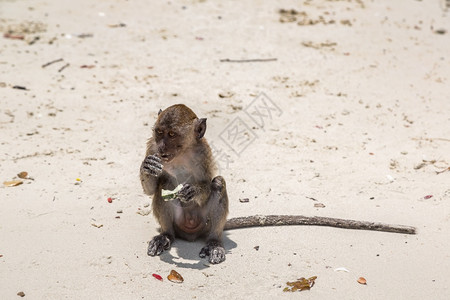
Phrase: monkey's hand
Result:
[187,193]
[152,165]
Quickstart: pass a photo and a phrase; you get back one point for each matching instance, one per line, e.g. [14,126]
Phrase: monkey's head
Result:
[176,130]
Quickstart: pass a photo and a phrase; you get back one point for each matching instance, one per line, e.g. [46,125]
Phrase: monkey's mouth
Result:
[166,157]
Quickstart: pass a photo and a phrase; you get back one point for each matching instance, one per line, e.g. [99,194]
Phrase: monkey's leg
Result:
[151,169]
[217,215]
[162,241]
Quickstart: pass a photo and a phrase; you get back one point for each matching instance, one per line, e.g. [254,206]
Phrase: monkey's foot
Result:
[215,252]
[158,244]
[152,165]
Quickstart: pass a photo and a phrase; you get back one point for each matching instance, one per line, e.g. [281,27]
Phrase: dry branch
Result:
[51,62]
[248,60]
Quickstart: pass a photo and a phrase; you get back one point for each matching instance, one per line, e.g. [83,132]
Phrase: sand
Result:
[350,121]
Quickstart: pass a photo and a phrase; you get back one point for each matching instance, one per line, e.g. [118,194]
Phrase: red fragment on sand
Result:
[157,277]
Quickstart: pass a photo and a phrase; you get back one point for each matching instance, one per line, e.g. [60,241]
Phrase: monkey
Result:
[177,153]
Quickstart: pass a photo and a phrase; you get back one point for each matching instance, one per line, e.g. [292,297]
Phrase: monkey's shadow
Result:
[190,251]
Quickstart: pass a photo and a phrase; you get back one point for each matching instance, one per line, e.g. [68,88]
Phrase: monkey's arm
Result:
[153,176]
[280,220]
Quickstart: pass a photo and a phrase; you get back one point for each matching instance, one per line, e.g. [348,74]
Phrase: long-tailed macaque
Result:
[177,153]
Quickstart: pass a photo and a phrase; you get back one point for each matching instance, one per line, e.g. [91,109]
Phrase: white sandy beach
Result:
[359,128]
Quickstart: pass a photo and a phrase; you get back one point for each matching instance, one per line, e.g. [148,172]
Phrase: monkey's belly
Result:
[190,225]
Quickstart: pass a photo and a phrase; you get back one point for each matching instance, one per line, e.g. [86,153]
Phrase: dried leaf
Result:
[302,284]
[13,183]
[362,280]
[22,175]
[174,276]
[97,225]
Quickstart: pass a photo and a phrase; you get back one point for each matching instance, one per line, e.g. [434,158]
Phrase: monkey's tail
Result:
[281,220]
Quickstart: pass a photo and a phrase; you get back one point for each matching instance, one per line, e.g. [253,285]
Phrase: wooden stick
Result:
[247,60]
[280,220]
[63,67]
[51,62]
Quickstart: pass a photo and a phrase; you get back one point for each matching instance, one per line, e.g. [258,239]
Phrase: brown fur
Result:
[177,154]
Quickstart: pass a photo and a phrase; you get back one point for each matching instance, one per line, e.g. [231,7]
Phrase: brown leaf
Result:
[22,175]
[301,284]
[174,276]
[13,183]
[362,280]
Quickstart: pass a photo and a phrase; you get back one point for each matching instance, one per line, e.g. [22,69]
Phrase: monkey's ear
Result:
[200,128]
[160,111]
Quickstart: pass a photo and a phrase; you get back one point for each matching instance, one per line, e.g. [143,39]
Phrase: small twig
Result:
[311,198]
[280,220]
[445,170]
[52,62]
[19,87]
[431,139]
[13,37]
[248,60]
[63,67]
[36,38]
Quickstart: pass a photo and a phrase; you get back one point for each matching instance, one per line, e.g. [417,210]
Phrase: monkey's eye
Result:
[159,131]
[171,134]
